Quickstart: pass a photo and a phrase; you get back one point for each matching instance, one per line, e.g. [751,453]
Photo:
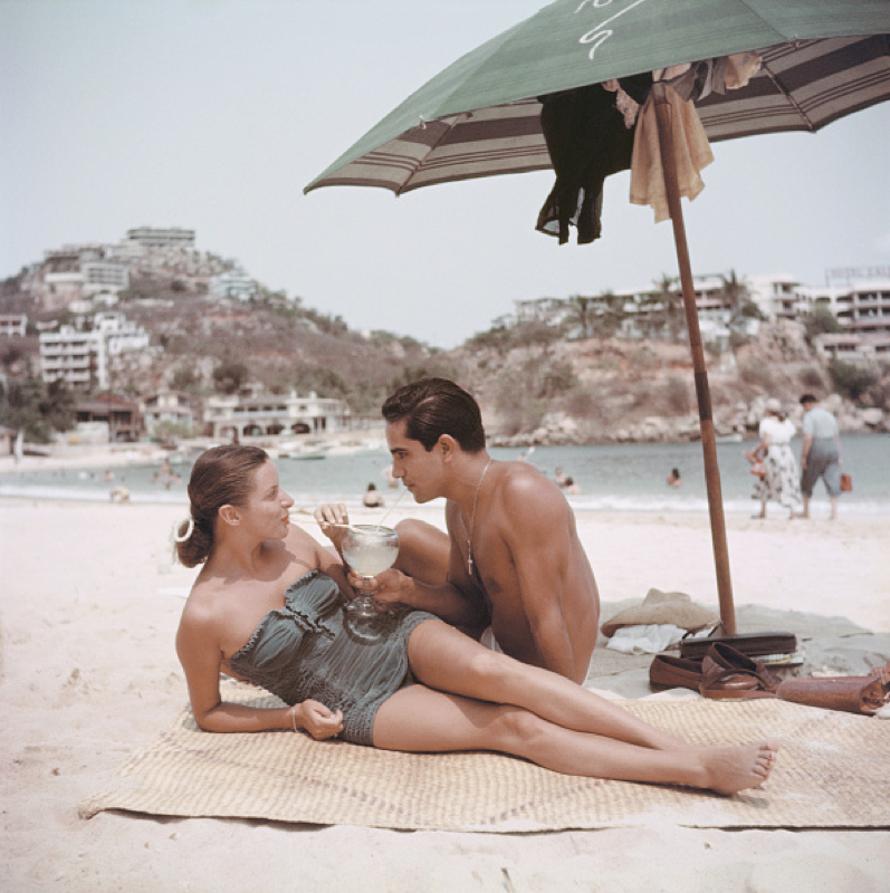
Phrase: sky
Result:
[214,114]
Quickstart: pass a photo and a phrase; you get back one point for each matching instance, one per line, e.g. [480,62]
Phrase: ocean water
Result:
[610,477]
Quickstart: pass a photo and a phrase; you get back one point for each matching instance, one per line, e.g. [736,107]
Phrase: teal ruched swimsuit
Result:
[306,650]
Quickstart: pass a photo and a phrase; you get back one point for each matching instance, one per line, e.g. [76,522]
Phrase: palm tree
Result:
[581,310]
[738,295]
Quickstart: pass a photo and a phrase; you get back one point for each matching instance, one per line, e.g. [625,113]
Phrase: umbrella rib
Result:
[433,147]
[810,126]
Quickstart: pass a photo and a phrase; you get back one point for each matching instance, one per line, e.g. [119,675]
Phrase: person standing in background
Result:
[779,481]
[820,456]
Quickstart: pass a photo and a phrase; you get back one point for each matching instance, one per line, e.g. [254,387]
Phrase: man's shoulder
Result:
[526,490]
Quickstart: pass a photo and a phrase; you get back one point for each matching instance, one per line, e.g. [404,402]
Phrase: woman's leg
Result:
[419,719]
[443,658]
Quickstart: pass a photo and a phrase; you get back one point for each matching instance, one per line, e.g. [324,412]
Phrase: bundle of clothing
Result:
[601,129]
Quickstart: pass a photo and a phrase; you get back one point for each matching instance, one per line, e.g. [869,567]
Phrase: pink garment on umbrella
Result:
[691,148]
[691,151]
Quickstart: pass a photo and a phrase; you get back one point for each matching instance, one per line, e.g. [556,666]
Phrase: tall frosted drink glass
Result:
[369,549]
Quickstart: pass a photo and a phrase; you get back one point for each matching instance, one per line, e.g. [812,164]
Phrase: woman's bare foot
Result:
[728,770]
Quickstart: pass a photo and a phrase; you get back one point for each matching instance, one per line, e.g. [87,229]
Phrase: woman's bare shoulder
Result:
[201,606]
[302,545]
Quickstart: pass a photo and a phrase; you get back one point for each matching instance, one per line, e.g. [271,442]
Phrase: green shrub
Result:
[820,321]
[850,379]
[811,377]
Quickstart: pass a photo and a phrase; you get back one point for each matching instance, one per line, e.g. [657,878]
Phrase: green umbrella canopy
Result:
[822,59]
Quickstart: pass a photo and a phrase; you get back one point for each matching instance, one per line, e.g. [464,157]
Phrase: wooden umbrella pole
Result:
[702,391]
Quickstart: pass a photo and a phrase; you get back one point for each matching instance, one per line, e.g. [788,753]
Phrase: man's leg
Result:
[423,551]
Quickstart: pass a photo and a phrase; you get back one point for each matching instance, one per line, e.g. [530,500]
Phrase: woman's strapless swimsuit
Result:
[306,650]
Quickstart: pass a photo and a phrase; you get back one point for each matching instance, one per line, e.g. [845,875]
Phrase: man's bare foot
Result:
[728,770]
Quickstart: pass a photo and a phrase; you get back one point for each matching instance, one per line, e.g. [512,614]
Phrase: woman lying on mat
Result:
[268,608]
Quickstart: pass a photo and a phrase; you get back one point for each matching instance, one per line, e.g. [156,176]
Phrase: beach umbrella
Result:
[481,116]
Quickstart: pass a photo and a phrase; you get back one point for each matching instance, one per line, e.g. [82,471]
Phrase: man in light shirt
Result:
[820,456]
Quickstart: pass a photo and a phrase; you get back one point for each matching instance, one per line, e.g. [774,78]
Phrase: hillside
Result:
[537,382]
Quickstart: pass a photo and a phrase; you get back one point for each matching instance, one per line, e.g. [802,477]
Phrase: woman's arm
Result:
[201,661]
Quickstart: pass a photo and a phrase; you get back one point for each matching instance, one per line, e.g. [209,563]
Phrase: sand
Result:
[88,674]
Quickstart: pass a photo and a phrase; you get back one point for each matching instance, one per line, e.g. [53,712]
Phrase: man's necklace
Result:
[473,519]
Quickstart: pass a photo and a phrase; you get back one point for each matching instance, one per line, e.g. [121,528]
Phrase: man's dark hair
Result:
[432,407]
[807,398]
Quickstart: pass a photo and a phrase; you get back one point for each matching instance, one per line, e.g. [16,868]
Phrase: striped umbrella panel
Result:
[801,86]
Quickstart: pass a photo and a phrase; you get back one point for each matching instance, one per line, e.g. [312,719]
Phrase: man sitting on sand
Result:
[511,560]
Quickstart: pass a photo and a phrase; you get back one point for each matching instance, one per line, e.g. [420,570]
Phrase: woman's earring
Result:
[189,530]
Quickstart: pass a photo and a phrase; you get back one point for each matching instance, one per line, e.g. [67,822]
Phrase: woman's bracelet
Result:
[293,717]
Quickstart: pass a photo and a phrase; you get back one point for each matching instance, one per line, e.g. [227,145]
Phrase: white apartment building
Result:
[863,307]
[254,412]
[78,358]
[104,276]
[121,334]
[13,325]
[779,296]
[853,348]
[162,237]
[166,406]
[81,357]
[233,284]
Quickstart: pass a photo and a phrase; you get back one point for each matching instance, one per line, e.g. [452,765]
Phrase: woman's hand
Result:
[319,721]
[388,589]
[333,520]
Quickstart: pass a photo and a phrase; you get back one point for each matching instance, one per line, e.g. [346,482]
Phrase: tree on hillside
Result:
[661,308]
[738,295]
[229,376]
[821,321]
[185,378]
[581,311]
[36,409]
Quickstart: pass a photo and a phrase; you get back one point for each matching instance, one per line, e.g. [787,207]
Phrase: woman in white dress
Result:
[780,481]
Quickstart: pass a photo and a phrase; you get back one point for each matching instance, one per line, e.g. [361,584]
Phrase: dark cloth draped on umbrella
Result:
[587,140]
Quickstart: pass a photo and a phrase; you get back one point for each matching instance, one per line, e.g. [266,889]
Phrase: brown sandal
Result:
[728,674]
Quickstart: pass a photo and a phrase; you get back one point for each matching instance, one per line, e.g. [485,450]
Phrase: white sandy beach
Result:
[90,604]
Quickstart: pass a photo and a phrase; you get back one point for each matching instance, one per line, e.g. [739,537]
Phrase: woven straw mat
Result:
[831,772]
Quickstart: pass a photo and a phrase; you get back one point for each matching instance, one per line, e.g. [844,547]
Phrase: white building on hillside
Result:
[779,296]
[13,325]
[80,357]
[167,407]
[104,276]
[233,284]
[864,307]
[853,348]
[254,412]
[162,237]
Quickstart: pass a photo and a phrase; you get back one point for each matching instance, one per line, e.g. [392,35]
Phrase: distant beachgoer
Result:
[820,455]
[373,498]
[108,475]
[673,479]
[511,566]
[779,481]
[119,494]
[559,476]
[571,487]
[268,607]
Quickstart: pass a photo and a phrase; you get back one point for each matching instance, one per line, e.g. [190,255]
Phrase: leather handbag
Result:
[749,644]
